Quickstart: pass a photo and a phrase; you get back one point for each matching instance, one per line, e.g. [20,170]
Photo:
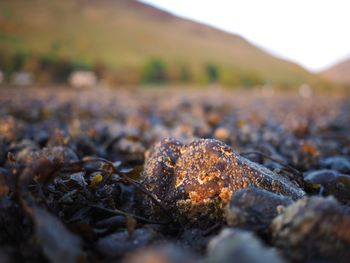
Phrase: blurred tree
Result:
[212,72]
[19,60]
[155,72]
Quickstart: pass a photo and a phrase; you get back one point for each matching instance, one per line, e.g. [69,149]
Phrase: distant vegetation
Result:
[126,42]
[155,71]
[48,68]
[45,67]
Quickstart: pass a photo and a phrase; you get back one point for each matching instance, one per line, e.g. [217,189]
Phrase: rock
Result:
[239,246]
[198,179]
[4,184]
[254,209]
[2,151]
[23,149]
[338,163]
[222,134]
[58,244]
[59,154]
[44,164]
[330,182]
[117,244]
[113,221]
[130,150]
[313,229]
[11,129]
[196,239]
[166,253]
[213,118]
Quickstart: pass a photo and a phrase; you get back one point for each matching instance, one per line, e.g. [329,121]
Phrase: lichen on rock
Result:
[197,180]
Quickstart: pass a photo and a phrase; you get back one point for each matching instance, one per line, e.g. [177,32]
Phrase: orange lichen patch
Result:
[225,194]
[205,170]
[195,197]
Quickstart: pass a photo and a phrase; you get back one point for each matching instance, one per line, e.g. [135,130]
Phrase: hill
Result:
[338,73]
[131,38]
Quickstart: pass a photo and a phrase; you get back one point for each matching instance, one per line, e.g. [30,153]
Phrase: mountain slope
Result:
[338,73]
[126,34]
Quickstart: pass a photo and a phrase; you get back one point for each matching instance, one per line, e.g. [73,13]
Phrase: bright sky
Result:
[313,33]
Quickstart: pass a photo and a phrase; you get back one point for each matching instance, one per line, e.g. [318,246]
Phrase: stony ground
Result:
[173,175]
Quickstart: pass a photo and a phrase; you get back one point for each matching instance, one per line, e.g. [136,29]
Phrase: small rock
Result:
[254,209]
[239,246]
[127,149]
[195,239]
[11,129]
[117,244]
[4,184]
[222,134]
[213,118]
[330,182]
[59,154]
[313,229]
[2,151]
[339,163]
[42,165]
[114,221]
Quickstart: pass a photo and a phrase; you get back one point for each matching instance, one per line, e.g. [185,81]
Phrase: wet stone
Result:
[329,182]
[197,180]
[254,209]
[338,163]
[313,229]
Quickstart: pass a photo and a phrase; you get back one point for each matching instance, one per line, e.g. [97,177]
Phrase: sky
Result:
[312,33]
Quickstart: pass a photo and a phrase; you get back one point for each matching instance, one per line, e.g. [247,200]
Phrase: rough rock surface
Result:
[198,179]
[313,229]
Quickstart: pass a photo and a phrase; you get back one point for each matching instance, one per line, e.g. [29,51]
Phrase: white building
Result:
[82,79]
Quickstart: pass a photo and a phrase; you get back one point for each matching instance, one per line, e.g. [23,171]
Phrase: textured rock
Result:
[254,209]
[313,229]
[198,179]
[339,163]
[330,182]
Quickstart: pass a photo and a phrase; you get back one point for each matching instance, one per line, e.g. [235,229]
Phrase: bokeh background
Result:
[130,43]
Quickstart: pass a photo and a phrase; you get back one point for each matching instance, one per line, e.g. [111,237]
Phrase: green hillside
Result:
[129,38]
